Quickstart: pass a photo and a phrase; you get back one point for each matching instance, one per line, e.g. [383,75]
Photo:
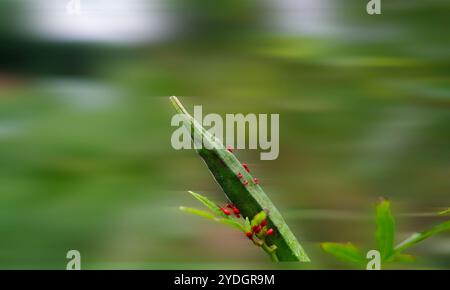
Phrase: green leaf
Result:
[344,252]
[418,237]
[198,212]
[258,218]
[248,226]
[403,258]
[445,212]
[209,204]
[250,198]
[385,229]
[229,222]
[233,224]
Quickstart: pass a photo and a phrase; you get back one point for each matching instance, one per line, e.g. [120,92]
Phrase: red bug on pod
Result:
[235,210]
[225,211]
[264,223]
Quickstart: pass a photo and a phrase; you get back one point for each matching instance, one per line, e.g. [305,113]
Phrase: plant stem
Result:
[271,252]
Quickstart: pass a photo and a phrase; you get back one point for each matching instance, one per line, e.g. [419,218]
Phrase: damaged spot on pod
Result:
[230,149]
[269,232]
[239,175]
[255,180]
[245,167]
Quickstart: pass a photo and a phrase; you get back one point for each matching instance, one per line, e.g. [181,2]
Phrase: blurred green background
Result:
[85,155]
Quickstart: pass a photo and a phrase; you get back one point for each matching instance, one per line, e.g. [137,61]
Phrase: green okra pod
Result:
[241,189]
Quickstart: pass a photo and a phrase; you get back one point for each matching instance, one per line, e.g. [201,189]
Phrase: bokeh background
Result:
[85,155]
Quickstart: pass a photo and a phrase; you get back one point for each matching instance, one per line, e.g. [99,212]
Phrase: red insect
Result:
[269,232]
[257,229]
[239,175]
[246,167]
[264,223]
[235,210]
[230,149]
[255,180]
[225,211]
[245,182]
[249,235]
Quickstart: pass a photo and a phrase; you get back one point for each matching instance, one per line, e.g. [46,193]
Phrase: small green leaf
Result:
[258,218]
[198,212]
[445,212]
[403,258]
[208,203]
[418,237]
[344,252]
[229,222]
[385,229]
[248,225]
[233,224]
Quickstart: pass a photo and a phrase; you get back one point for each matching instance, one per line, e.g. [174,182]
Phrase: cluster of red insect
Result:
[258,230]
[233,208]
[239,175]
